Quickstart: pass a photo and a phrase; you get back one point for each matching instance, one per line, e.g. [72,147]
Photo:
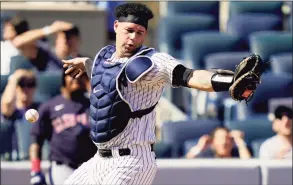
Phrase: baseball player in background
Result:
[127,81]
[64,123]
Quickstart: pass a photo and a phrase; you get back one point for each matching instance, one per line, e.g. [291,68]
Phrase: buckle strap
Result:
[122,152]
[141,113]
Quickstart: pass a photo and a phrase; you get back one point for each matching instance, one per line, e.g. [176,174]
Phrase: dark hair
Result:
[137,9]
[216,129]
[20,24]
[283,111]
[72,32]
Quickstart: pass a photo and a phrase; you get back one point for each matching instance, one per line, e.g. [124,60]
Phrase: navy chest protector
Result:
[109,111]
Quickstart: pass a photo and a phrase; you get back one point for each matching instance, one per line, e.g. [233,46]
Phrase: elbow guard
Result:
[222,80]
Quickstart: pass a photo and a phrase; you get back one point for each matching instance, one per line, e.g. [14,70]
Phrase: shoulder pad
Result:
[138,67]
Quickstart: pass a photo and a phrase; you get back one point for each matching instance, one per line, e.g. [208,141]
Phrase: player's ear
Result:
[116,25]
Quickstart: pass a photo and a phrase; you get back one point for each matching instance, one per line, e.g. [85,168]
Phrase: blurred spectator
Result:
[220,145]
[280,145]
[19,40]
[64,123]
[16,99]
[11,28]
[67,44]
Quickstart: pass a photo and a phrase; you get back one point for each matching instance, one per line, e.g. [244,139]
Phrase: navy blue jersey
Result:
[64,123]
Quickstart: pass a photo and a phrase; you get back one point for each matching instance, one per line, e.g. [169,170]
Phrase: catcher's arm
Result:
[219,80]
[211,81]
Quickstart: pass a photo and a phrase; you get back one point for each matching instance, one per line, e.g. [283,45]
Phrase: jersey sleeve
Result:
[164,65]
[42,129]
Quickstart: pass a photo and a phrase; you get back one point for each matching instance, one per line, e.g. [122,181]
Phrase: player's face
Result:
[284,126]
[8,31]
[129,37]
[222,142]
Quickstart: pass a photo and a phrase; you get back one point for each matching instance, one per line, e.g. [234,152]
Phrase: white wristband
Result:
[47,30]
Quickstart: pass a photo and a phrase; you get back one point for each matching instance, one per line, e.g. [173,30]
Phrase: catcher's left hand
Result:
[246,77]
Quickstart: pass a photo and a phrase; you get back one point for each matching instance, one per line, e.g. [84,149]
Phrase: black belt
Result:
[122,152]
[71,165]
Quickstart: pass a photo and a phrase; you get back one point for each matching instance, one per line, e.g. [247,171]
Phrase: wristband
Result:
[47,30]
[36,165]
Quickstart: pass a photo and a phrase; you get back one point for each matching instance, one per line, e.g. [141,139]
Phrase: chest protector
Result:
[109,111]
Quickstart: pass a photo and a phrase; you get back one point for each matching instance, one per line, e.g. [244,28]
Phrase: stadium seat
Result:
[171,29]
[244,24]
[281,63]
[224,60]
[266,43]
[272,86]
[255,144]
[189,144]
[239,7]
[197,45]
[253,128]
[176,133]
[195,7]
[162,150]
[20,62]
[49,85]
[4,79]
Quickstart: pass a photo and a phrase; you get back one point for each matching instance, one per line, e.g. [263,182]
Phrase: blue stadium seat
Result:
[266,43]
[239,7]
[49,85]
[189,144]
[254,128]
[272,86]
[197,45]
[282,63]
[244,24]
[193,7]
[224,60]
[4,79]
[171,29]
[20,62]
[255,145]
[162,150]
[176,133]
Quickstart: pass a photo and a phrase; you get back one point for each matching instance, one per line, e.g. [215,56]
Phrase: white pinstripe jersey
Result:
[142,94]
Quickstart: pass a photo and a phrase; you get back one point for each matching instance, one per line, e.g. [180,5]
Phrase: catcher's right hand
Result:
[75,67]
[246,77]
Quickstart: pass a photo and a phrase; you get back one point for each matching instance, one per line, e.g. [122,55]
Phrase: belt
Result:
[71,165]
[122,152]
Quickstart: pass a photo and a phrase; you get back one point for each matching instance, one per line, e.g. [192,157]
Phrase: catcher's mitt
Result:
[246,77]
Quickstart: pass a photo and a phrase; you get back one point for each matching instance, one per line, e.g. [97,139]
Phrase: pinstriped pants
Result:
[137,168]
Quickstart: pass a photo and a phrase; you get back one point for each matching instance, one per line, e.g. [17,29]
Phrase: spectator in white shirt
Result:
[11,28]
[280,145]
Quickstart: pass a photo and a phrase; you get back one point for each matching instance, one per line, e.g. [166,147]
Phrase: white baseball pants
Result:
[137,168]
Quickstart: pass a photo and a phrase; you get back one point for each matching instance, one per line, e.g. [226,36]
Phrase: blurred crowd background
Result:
[201,34]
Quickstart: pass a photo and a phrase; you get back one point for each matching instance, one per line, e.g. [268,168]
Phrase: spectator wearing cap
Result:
[280,145]
[20,40]
[17,98]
